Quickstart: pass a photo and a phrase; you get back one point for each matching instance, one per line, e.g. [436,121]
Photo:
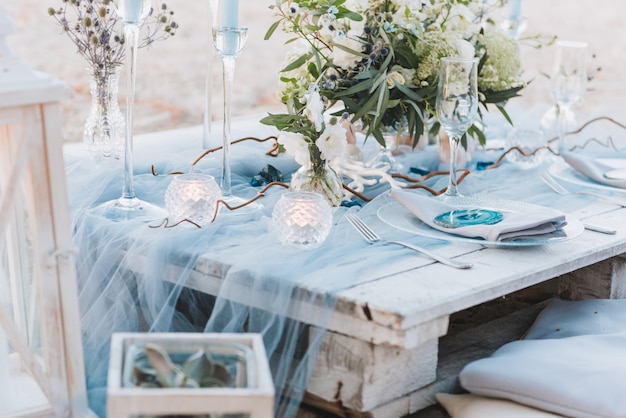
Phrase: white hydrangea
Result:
[435,45]
[357,5]
[503,66]
[301,75]
[296,146]
[332,142]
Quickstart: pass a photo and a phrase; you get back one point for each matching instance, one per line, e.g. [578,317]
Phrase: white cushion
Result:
[576,368]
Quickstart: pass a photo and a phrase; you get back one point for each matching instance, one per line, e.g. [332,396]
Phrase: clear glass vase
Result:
[319,178]
[104,129]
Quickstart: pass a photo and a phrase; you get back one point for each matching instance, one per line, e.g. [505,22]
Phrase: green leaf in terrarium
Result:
[167,373]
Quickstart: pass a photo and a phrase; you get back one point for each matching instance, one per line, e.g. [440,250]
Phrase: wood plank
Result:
[602,280]
[416,297]
[360,375]
[454,353]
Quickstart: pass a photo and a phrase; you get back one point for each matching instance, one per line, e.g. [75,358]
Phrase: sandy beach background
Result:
[171,74]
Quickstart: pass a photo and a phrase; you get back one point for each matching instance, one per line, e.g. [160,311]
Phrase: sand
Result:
[171,74]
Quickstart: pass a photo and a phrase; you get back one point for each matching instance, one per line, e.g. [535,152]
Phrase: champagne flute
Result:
[457,105]
[133,13]
[569,81]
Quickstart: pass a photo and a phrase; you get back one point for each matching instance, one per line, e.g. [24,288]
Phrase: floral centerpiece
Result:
[312,142]
[96,29]
[379,59]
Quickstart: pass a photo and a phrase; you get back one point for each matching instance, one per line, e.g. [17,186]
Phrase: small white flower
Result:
[296,146]
[332,142]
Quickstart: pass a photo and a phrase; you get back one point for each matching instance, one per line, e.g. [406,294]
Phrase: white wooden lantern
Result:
[252,397]
[41,366]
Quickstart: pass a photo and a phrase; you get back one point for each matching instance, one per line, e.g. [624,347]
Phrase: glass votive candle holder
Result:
[302,219]
[192,196]
[529,141]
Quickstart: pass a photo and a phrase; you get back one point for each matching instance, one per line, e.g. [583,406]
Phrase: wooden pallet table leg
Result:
[358,375]
[606,280]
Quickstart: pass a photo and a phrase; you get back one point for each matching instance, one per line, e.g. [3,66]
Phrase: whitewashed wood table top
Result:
[407,299]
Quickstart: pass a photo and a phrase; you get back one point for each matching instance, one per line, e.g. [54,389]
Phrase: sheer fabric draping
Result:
[136,278]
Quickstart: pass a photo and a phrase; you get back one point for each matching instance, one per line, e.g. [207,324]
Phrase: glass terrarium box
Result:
[190,375]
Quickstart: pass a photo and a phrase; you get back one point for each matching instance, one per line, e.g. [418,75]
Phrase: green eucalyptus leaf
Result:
[271,30]
[197,366]
[298,62]
[362,86]
[504,113]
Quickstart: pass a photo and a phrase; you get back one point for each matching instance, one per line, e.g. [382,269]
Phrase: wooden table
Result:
[381,352]
[385,351]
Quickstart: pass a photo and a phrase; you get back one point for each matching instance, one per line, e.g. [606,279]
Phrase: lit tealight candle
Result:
[192,196]
[302,219]
[230,13]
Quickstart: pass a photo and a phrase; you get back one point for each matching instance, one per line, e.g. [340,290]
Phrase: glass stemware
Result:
[133,13]
[569,81]
[229,41]
[457,105]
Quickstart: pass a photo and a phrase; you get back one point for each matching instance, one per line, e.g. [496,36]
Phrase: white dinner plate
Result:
[396,215]
[569,174]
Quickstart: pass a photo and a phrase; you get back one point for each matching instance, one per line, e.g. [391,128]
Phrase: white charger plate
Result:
[396,215]
[565,172]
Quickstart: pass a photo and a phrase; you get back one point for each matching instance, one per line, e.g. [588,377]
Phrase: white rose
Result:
[296,146]
[345,59]
[466,50]
[393,78]
[332,142]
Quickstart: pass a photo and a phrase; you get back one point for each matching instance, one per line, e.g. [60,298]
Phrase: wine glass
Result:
[457,105]
[133,13]
[569,81]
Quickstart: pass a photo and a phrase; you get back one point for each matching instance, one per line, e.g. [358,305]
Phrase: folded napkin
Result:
[529,224]
[594,167]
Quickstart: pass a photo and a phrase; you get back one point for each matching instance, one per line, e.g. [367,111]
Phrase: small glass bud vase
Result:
[321,179]
[192,196]
[302,219]
[104,129]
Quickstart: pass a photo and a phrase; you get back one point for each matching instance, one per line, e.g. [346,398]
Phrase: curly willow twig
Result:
[272,152]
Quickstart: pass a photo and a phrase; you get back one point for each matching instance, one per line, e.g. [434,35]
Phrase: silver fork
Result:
[558,188]
[372,237]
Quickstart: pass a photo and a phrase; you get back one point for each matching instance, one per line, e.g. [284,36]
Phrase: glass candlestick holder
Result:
[302,219]
[192,196]
[229,41]
[128,206]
